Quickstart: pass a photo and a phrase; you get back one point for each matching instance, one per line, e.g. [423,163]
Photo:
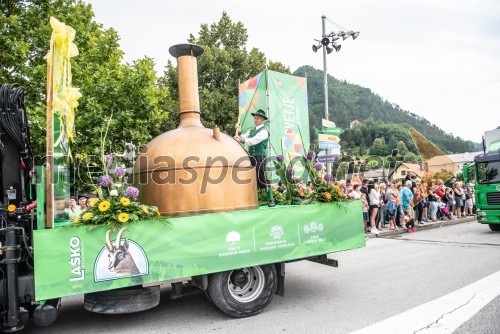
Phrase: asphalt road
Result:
[389,276]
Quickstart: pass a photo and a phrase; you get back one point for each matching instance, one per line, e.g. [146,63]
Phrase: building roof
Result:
[415,168]
[452,158]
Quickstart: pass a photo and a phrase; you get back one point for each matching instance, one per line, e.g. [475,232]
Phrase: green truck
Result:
[485,172]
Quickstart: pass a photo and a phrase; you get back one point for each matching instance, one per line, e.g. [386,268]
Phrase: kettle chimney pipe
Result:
[189,99]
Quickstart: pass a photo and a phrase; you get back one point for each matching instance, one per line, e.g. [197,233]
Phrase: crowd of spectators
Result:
[407,204]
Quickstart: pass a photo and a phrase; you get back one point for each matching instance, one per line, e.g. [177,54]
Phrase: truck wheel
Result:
[126,300]
[495,227]
[243,292]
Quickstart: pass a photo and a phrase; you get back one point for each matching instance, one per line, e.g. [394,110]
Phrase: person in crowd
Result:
[417,204]
[82,202]
[364,187]
[355,193]
[449,198]
[469,200]
[374,201]
[441,189]
[281,186]
[365,206]
[458,194]
[424,190]
[382,219]
[74,209]
[432,199]
[399,210]
[391,206]
[310,187]
[407,199]
[443,208]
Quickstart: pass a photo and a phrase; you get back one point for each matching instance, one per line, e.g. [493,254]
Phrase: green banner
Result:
[73,260]
[284,98]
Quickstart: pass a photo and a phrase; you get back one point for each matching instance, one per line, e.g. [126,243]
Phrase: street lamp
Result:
[325,42]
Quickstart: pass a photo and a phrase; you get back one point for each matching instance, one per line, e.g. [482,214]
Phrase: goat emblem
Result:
[120,260]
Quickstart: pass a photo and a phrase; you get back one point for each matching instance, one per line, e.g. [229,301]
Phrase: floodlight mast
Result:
[325,41]
[325,90]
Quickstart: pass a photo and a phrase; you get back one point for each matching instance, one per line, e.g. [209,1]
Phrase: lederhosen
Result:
[258,154]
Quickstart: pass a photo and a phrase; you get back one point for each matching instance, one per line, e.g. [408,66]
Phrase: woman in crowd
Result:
[391,206]
[374,201]
[458,194]
[381,218]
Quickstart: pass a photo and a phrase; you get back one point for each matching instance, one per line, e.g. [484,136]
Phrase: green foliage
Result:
[380,118]
[224,64]
[401,147]
[128,91]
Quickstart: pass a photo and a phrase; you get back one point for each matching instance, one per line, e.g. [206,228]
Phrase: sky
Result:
[437,59]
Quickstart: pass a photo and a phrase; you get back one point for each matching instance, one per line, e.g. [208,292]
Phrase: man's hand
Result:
[237,138]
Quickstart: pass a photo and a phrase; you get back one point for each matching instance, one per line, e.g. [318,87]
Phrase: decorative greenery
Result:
[296,193]
[116,202]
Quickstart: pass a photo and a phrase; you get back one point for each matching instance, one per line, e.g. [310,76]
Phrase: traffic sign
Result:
[328,138]
[328,158]
[328,145]
[328,124]
[332,131]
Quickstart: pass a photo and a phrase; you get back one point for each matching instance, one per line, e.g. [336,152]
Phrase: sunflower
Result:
[93,201]
[76,220]
[104,206]
[157,212]
[87,216]
[145,209]
[125,201]
[328,196]
[123,217]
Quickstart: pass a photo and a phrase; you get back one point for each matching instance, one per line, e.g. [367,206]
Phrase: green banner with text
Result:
[74,260]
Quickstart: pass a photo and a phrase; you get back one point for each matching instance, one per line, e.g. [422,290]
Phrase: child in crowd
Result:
[364,202]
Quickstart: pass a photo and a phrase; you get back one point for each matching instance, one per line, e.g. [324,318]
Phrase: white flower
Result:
[113,192]
[118,185]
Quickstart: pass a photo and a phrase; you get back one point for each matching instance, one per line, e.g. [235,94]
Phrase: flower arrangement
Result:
[296,192]
[116,202]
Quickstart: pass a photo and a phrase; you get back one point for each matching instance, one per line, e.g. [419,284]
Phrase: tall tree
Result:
[127,91]
[224,63]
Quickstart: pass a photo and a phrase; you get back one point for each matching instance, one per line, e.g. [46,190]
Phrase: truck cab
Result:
[486,177]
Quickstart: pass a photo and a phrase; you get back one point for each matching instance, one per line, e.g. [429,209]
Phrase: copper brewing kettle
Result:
[193,169]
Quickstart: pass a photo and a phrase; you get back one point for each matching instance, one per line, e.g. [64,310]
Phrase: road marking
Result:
[442,315]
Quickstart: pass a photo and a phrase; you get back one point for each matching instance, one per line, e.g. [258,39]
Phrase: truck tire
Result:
[126,300]
[495,227]
[243,292]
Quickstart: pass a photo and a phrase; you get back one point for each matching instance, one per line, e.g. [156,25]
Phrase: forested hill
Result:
[379,118]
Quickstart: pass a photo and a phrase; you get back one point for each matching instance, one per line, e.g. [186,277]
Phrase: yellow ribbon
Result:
[65,99]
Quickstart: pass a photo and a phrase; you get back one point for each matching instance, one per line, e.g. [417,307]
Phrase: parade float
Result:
[191,215]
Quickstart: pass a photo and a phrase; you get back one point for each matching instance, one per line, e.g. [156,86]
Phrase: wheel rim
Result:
[245,285]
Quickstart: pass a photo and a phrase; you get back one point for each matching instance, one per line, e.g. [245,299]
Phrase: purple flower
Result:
[328,177]
[318,166]
[108,159]
[132,192]
[297,180]
[105,181]
[280,158]
[311,155]
[290,171]
[120,171]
